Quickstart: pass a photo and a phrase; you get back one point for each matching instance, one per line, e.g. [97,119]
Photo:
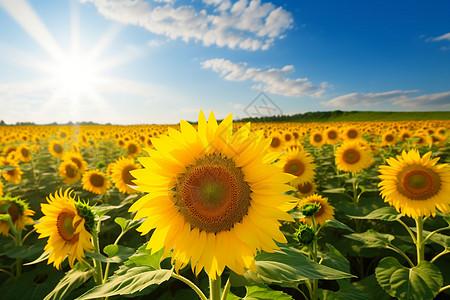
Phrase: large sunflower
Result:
[415,185]
[326,211]
[120,174]
[299,164]
[95,181]
[67,223]
[214,197]
[353,157]
[20,214]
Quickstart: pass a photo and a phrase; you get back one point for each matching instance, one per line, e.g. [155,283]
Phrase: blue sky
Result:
[145,62]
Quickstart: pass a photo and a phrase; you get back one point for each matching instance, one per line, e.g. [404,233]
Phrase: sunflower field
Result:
[226,210]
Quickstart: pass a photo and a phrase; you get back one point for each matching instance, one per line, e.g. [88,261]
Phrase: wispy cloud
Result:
[402,98]
[246,25]
[442,37]
[274,81]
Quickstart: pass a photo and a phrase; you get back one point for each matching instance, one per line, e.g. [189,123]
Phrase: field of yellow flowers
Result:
[226,210]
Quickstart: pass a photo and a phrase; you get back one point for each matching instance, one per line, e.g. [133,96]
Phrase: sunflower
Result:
[69,170]
[13,173]
[95,181]
[68,225]
[18,210]
[276,143]
[415,185]
[56,148]
[352,157]
[76,158]
[24,153]
[299,164]
[326,211]
[1,188]
[133,148]
[332,135]
[388,138]
[316,139]
[216,188]
[120,174]
[306,188]
[351,133]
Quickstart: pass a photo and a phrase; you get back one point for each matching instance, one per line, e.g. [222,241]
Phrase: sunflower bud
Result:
[85,211]
[309,209]
[304,234]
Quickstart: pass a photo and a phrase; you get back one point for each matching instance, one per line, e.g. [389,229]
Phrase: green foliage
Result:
[419,283]
[260,292]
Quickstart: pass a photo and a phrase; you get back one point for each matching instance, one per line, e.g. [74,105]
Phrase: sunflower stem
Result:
[9,273]
[226,289]
[315,282]
[432,233]
[98,276]
[18,242]
[439,255]
[420,242]
[191,285]
[108,263]
[392,247]
[214,288]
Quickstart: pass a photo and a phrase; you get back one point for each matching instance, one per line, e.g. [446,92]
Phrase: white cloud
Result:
[274,81]
[443,37]
[246,25]
[402,98]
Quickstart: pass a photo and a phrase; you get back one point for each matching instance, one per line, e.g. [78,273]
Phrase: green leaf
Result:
[334,259]
[127,224]
[387,213]
[111,250]
[418,283]
[347,291]
[260,292]
[127,281]
[44,256]
[335,191]
[336,224]
[371,239]
[122,254]
[284,267]
[72,280]
[143,257]
[104,209]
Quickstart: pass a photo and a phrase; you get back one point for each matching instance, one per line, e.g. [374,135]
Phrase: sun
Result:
[75,75]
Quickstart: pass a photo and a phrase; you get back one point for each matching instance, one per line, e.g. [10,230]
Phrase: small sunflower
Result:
[277,143]
[352,157]
[133,148]
[216,188]
[332,135]
[299,164]
[56,148]
[120,174]
[13,174]
[415,185]
[95,181]
[306,188]
[19,211]
[326,211]
[68,225]
[76,158]
[388,138]
[317,139]
[69,171]
[351,133]
[24,153]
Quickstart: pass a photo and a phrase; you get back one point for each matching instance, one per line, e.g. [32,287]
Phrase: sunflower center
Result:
[132,148]
[126,176]
[212,195]
[71,172]
[332,135]
[389,138]
[317,138]
[418,183]
[97,180]
[275,142]
[64,225]
[352,133]
[57,148]
[25,152]
[294,167]
[77,161]
[351,156]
